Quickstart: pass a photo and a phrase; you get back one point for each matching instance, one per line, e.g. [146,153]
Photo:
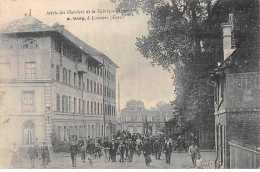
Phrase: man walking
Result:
[91,149]
[168,150]
[82,149]
[121,151]
[73,153]
[147,152]
[32,152]
[157,146]
[194,153]
[113,150]
[45,154]
[131,150]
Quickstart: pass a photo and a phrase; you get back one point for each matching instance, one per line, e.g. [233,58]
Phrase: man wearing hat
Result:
[90,150]
[113,150]
[45,154]
[194,153]
[168,150]
[32,152]
[73,152]
[106,149]
[147,152]
[82,149]
[157,146]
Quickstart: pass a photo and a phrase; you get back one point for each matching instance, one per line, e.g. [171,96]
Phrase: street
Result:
[178,160]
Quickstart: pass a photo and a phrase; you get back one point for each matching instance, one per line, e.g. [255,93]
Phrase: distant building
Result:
[52,82]
[145,121]
[237,105]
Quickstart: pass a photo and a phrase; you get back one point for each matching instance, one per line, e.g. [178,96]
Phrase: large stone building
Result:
[52,82]
[237,106]
[145,121]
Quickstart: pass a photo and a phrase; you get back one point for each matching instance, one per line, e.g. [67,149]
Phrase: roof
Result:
[26,24]
[82,45]
[30,24]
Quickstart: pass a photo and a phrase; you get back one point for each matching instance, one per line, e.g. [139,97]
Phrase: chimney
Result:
[228,37]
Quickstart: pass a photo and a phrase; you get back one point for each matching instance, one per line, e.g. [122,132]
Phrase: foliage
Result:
[161,105]
[58,145]
[185,36]
[134,105]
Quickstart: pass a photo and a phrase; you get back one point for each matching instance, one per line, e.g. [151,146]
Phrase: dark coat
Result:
[74,149]
[91,148]
[157,146]
[32,152]
[168,147]
[146,148]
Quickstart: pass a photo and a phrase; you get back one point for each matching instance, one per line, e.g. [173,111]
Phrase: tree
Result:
[185,36]
[134,105]
[161,105]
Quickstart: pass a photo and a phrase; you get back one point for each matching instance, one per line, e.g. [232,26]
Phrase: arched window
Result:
[28,133]
[29,43]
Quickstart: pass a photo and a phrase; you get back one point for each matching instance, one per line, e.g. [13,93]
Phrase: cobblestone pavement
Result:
[178,161]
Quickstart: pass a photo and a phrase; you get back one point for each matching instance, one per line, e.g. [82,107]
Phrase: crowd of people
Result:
[124,144]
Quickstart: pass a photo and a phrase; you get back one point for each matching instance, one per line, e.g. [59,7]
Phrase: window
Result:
[91,86]
[91,107]
[105,72]
[87,85]
[69,104]
[79,105]
[28,100]
[105,90]
[74,80]
[69,77]
[87,107]
[95,108]
[95,90]
[139,118]
[64,71]
[30,70]
[28,133]
[80,76]
[101,108]
[105,110]
[84,107]
[149,118]
[101,89]
[58,73]
[101,72]
[57,102]
[63,104]
[29,43]
[128,119]
[98,108]
[75,105]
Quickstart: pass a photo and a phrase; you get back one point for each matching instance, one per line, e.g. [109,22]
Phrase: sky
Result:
[115,38]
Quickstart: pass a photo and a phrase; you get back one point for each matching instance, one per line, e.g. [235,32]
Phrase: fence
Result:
[243,157]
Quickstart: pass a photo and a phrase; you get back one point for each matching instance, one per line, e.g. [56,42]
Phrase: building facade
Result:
[145,121]
[237,107]
[52,82]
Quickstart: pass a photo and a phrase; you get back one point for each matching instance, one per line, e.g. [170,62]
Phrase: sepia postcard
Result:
[129,84]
